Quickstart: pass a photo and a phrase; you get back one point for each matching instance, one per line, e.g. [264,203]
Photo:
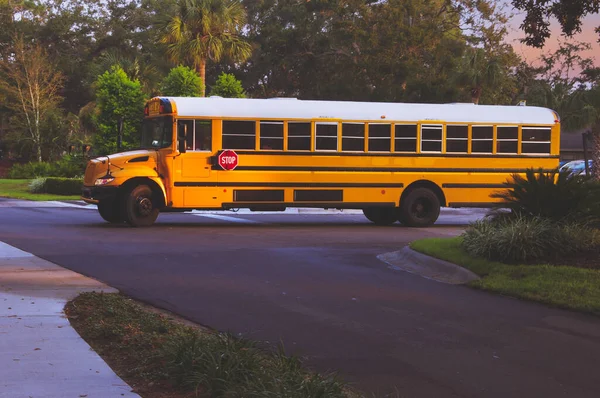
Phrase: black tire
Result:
[419,208]
[381,215]
[110,211]
[140,206]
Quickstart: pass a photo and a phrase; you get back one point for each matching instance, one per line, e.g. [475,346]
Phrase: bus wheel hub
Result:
[144,206]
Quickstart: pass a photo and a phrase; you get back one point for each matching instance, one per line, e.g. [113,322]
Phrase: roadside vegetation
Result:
[159,356]
[564,286]
[542,242]
[21,189]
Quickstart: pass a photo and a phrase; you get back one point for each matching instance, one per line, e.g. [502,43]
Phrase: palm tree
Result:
[206,30]
[479,71]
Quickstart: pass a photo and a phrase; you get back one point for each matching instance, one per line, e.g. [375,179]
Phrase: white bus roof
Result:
[291,108]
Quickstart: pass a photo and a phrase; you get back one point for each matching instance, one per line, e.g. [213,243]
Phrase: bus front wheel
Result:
[381,215]
[140,206]
[110,211]
[419,208]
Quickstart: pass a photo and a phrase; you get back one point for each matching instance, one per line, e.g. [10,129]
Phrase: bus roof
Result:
[291,108]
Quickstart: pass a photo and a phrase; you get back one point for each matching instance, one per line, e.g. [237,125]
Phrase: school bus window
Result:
[353,137]
[431,138]
[535,140]
[157,132]
[298,136]
[326,136]
[457,138]
[271,135]
[483,139]
[405,138]
[239,134]
[379,137]
[185,128]
[203,135]
[507,140]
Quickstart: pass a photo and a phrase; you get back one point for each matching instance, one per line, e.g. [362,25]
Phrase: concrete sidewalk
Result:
[41,355]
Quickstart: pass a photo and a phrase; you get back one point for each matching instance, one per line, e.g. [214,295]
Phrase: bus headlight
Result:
[103,181]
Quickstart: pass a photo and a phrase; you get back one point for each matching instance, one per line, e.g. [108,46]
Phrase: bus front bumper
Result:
[96,194]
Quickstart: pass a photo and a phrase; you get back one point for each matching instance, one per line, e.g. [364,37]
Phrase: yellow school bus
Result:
[395,161]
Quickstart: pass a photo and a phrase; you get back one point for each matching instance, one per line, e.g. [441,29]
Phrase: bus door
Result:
[193,179]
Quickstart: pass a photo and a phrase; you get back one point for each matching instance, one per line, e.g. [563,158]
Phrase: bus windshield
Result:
[157,132]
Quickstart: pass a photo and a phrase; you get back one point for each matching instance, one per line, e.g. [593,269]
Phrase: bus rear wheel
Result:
[110,211]
[381,215]
[419,208]
[140,207]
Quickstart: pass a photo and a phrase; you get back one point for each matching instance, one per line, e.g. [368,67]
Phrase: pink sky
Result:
[531,54]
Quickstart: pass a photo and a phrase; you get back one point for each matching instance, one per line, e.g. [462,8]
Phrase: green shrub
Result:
[228,86]
[553,195]
[30,170]
[182,82]
[38,185]
[67,167]
[522,239]
[56,186]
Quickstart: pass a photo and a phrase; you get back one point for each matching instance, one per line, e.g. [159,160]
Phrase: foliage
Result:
[204,30]
[228,86]
[38,185]
[56,186]
[554,195]
[402,51]
[68,167]
[563,286]
[31,84]
[528,240]
[167,355]
[182,82]
[539,14]
[20,189]
[121,102]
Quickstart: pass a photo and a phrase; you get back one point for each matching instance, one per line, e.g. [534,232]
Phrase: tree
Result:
[31,84]
[228,86]
[182,81]
[206,30]
[538,14]
[120,103]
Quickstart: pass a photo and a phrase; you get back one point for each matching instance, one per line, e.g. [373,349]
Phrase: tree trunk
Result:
[596,152]
[201,69]
[475,94]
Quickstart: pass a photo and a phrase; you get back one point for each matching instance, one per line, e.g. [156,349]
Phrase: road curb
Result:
[428,267]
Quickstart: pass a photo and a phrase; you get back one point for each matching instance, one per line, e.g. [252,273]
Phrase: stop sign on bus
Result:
[228,159]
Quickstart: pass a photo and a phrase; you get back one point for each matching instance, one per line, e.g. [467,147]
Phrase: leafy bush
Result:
[555,195]
[56,186]
[523,239]
[228,86]
[67,167]
[38,185]
[182,82]
[31,170]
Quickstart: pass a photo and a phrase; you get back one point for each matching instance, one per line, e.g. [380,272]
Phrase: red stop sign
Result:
[228,159]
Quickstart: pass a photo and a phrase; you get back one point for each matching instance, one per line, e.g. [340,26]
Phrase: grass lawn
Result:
[17,189]
[160,357]
[562,286]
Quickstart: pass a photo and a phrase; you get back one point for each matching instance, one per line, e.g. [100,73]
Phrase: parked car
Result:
[576,167]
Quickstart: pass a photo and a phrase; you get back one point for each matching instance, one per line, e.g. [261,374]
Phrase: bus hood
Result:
[118,163]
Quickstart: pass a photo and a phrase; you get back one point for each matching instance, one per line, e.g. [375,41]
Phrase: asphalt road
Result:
[314,283]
